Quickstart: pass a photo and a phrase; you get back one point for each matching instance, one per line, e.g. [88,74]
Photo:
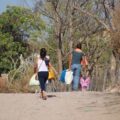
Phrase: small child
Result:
[85,82]
[51,76]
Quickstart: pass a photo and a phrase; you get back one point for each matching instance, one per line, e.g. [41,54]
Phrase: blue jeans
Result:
[76,68]
[43,76]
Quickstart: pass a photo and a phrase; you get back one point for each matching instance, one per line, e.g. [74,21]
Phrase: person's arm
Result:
[35,68]
[83,59]
[50,65]
[36,65]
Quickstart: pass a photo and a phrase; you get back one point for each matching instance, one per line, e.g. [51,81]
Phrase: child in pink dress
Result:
[85,82]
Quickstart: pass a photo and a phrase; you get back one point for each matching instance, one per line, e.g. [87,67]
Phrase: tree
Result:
[17,24]
[107,14]
[71,25]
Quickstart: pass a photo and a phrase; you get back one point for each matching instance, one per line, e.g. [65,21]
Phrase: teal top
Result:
[76,57]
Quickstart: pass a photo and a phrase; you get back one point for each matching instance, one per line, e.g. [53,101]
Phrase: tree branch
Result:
[93,16]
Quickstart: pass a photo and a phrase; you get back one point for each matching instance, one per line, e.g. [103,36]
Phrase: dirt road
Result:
[60,106]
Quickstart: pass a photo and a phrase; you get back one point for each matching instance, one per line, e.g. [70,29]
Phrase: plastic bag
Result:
[51,74]
[33,80]
[68,77]
[62,76]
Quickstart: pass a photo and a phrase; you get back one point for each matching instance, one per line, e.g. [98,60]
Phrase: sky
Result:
[5,3]
[23,3]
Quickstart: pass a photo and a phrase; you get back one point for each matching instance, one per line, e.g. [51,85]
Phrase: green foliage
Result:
[16,25]
[10,52]
[16,19]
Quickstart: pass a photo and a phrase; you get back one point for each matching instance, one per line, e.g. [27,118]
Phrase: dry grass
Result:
[3,84]
[19,85]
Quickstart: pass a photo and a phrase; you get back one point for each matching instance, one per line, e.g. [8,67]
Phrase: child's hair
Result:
[79,46]
[43,53]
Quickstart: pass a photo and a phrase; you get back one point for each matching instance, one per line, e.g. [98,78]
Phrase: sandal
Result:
[43,96]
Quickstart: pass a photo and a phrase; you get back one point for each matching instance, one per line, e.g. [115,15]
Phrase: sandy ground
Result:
[60,106]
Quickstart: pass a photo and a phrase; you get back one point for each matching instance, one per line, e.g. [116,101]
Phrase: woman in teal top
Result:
[75,66]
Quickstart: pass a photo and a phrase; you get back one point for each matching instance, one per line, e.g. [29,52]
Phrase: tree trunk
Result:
[59,60]
[112,69]
[58,35]
[118,70]
[71,27]
[70,40]
[104,77]
[115,68]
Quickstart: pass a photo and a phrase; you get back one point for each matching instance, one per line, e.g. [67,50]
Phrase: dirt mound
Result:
[114,89]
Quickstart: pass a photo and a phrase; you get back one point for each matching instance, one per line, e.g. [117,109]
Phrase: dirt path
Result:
[63,106]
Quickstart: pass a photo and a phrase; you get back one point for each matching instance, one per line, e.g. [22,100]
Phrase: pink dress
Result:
[85,83]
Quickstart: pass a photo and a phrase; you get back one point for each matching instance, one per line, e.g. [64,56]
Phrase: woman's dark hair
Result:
[43,53]
[79,46]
